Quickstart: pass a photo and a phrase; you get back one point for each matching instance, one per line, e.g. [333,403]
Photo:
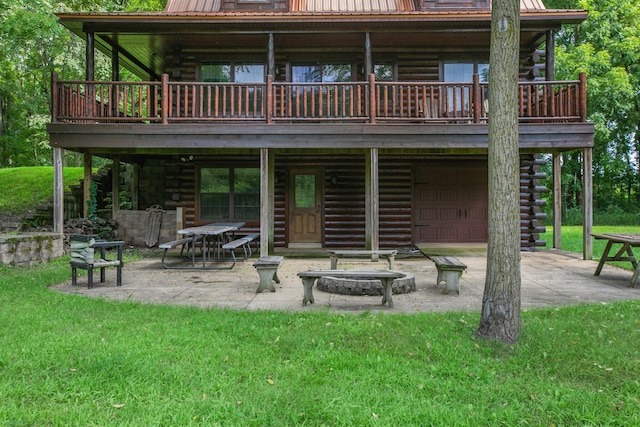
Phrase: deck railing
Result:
[368,102]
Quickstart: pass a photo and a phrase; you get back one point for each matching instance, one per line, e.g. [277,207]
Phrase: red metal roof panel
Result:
[192,6]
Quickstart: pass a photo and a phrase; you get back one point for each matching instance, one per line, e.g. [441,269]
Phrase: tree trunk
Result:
[500,318]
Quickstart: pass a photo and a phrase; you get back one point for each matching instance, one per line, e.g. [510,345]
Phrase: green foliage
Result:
[26,187]
[607,48]
[92,202]
[71,360]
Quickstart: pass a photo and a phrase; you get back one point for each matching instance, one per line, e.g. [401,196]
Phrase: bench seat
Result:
[449,270]
[386,277]
[388,254]
[267,267]
[184,243]
[244,242]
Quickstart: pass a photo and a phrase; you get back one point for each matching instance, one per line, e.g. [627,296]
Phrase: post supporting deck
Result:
[372,195]
[587,202]
[267,190]
[557,201]
[58,190]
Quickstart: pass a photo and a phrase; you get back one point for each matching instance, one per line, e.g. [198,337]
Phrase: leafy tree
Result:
[500,317]
[607,47]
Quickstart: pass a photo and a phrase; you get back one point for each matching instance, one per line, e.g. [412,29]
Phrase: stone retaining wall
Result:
[30,248]
[132,227]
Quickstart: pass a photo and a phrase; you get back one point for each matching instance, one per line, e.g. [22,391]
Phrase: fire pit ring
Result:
[364,286]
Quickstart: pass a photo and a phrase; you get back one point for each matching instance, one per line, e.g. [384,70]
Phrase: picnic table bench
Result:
[244,242]
[386,277]
[627,241]
[449,270]
[389,255]
[187,243]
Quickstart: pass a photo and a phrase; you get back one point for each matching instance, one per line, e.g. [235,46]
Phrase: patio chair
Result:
[83,256]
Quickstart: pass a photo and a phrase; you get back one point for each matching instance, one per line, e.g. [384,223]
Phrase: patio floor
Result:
[549,278]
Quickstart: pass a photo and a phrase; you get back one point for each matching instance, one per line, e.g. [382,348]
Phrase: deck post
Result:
[54,97]
[477,109]
[164,113]
[557,201]
[86,193]
[583,97]
[90,74]
[372,219]
[587,202]
[269,99]
[267,189]
[372,98]
[58,190]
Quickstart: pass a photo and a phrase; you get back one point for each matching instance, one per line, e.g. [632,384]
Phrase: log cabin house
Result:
[320,123]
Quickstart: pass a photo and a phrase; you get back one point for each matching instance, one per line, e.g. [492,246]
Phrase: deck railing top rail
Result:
[369,102]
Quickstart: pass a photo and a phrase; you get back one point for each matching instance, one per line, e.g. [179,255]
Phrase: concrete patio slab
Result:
[549,278]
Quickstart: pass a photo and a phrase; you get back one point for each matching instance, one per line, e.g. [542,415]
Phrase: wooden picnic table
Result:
[625,253]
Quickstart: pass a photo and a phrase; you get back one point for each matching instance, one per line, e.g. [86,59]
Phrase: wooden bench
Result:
[390,255]
[83,249]
[187,243]
[244,242]
[267,267]
[386,277]
[449,269]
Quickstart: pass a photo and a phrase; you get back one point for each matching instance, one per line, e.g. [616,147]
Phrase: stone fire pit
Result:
[360,286]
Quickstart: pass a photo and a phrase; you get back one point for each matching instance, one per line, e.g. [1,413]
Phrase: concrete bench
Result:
[184,243]
[83,256]
[449,270]
[386,277]
[267,267]
[390,255]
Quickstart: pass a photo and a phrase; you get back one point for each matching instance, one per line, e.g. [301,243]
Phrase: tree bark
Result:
[500,318]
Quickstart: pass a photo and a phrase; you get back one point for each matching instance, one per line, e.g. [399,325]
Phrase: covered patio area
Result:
[549,278]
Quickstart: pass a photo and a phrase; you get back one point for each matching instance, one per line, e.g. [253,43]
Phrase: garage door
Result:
[450,202]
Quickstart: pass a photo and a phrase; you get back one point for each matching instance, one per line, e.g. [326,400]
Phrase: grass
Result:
[71,360]
[572,240]
[31,186]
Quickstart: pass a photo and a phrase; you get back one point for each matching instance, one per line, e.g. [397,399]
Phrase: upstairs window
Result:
[321,73]
[458,97]
[236,72]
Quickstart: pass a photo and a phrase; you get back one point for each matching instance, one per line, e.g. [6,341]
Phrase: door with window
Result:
[305,208]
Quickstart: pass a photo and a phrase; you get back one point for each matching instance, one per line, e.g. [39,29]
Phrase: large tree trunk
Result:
[500,318]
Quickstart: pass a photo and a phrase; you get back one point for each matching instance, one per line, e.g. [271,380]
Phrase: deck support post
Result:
[267,190]
[557,201]
[372,193]
[86,193]
[115,188]
[58,190]
[587,202]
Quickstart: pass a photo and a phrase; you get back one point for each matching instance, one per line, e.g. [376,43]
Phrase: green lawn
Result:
[28,187]
[70,360]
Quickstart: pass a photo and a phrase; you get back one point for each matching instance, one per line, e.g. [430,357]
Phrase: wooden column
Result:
[267,190]
[587,202]
[115,188]
[90,73]
[115,64]
[549,73]
[58,190]
[557,201]
[372,194]
[368,62]
[87,184]
[271,61]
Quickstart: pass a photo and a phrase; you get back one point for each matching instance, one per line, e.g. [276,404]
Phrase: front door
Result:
[305,208]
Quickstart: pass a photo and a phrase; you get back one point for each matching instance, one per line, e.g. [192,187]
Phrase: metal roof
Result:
[327,6]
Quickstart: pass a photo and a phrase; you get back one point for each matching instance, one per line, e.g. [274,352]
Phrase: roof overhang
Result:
[142,39]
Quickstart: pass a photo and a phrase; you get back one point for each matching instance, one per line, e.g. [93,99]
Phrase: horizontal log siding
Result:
[395,202]
[344,204]
[531,216]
